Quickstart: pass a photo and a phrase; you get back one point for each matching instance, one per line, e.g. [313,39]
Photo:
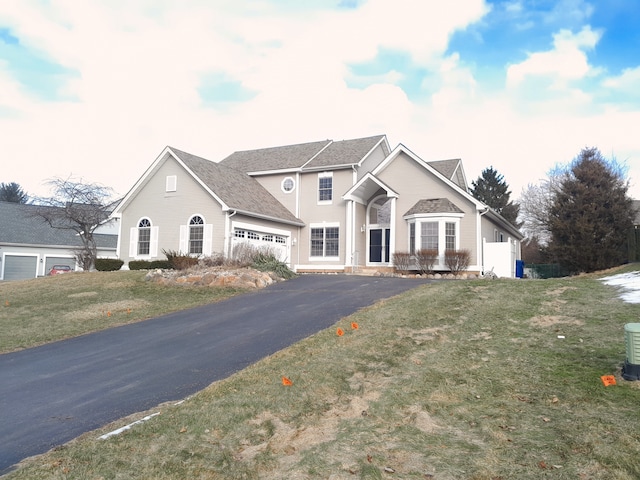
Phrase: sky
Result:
[94,90]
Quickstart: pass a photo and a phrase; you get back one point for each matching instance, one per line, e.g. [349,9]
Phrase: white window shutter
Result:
[133,242]
[184,239]
[207,246]
[153,247]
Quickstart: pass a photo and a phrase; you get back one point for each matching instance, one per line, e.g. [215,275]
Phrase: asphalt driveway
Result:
[52,394]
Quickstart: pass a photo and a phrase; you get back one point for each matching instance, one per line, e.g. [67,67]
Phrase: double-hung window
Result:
[325,187]
[429,235]
[325,242]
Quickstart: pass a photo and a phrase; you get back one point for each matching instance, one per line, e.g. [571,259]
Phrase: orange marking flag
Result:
[286,382]
[354,325]
[608,380]
[339,332]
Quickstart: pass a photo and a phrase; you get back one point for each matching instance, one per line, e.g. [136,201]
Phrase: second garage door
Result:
[20,267]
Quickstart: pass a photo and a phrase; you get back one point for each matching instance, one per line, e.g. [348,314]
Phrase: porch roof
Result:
[366,188]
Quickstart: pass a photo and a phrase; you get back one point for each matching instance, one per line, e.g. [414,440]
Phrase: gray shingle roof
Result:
[20,225]
[344,152]
[275,158]
[433,205]
[236,189]
[322,154]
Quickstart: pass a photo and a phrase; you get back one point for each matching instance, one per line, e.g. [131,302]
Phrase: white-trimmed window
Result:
[450,236]
[412,238]
[281,240]
[239,233]
[144,236]
[253,236]
[143,239]
[196,235]
[325,241]
[429,235]
[325,187]
[434,232]
[288,185]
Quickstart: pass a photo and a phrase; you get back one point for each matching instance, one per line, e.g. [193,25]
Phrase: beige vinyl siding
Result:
[373,160]
[169,210]
[416,183]
[273,184]
[313,213]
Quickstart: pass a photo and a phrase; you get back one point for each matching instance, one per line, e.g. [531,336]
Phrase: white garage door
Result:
[276,244]
[20,267]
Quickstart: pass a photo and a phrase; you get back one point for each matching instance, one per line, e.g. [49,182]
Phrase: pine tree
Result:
[12,192]
[590,214]
[491,189]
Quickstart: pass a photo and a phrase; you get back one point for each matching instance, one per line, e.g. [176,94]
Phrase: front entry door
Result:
[379,239]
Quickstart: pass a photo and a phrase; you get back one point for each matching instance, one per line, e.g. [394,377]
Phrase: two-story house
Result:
[322,206]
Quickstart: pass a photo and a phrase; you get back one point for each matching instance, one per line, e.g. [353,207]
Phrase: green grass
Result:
[452,380]
[33,312]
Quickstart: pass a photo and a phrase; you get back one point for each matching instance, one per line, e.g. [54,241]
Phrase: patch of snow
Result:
[629,284]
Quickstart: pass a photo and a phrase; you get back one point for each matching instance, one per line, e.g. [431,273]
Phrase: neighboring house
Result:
[29,247]
[323,206]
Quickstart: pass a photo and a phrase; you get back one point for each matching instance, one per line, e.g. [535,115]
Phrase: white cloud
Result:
[140,65]
[565,62]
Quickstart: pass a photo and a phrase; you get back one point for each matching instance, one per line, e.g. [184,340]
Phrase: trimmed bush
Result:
[163,264]
[402,261]
[149,264]
[139,265]
[457,260]
[426,259]
[108,264]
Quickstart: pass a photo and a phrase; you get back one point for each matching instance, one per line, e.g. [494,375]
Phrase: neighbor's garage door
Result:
[19,267]
[51,261]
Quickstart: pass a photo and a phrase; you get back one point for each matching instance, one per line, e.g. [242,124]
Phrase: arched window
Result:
[144,236]
[196,235]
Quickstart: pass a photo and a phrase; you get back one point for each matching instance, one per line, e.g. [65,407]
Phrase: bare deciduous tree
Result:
[80,207]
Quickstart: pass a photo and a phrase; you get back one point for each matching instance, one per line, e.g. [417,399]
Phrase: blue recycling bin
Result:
[519,269]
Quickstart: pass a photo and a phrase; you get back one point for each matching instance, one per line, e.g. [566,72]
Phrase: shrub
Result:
[426,259]
[457,260]
[402,261]
[180,261]
[108,264]
[139,265]
[269,263]
[215,260]
[163,264]
[150,264]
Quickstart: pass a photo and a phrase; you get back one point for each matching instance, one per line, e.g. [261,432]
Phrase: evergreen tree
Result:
[12,192]
[491,189]
[590,214]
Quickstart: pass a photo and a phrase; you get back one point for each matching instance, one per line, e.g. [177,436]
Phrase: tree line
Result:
[580,217]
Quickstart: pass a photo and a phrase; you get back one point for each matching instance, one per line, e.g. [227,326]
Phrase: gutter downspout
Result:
[481,240]
[227,237]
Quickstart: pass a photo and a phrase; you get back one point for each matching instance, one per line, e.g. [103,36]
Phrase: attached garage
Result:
[276,242]
[51,261]
[19,267]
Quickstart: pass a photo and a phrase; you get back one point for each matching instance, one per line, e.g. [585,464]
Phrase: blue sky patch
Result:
[219,90]
[392,66]
[37,74]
